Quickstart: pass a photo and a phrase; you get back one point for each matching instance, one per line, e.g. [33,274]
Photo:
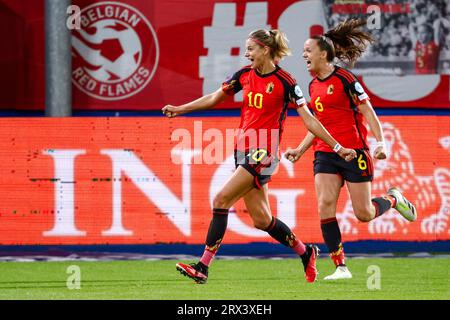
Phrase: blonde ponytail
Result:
[275,40]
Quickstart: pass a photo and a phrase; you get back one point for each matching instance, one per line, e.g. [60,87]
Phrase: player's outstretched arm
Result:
[375,127]
[319,131]
[206,102]
[295,154]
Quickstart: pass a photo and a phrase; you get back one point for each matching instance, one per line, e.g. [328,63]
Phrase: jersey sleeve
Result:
[232,85]
[296,95]
[357,93]
[352,87]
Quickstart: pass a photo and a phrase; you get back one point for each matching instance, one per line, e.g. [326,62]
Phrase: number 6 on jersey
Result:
[319,105]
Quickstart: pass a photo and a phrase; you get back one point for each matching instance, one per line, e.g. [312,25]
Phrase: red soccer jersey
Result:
[265,102]
[427,55]
[334,101]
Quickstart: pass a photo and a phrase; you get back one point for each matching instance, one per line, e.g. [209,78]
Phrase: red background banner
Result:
[198,44]
[127,181]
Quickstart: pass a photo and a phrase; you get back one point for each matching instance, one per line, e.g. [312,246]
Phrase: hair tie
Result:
[327,40]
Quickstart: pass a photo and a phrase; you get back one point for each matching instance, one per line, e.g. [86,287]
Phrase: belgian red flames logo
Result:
[115,53]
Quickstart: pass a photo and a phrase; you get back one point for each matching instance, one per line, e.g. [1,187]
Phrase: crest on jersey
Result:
[330,89]
[269,88]
[115,53]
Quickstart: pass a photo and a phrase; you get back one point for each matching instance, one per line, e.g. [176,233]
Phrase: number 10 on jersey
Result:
[255,101]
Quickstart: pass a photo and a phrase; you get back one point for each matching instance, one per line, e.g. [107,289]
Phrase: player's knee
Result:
[221,200]
[363,214]
[261,223]
[326,205]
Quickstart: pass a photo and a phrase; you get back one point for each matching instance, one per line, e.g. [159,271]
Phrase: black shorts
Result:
[259,162]
[359,169]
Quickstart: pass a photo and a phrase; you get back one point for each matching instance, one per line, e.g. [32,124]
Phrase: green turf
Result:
[401,278]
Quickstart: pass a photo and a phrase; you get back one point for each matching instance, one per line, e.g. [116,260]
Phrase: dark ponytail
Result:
[346,41]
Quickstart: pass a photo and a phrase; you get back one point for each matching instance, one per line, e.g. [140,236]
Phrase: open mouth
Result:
[308,63]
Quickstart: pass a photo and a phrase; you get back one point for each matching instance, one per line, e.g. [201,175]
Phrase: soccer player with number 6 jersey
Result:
[341,105]
[267,90]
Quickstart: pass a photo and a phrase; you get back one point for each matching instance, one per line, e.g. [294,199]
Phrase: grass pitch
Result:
[266,279]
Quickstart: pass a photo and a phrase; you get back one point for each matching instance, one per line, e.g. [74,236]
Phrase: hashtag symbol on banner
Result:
[221,39]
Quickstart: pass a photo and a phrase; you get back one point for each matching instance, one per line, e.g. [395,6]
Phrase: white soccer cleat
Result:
[340,273]
[403,206]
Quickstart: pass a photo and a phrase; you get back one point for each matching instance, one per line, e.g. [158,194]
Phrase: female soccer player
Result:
[340,104]
[268,90]
[425,39]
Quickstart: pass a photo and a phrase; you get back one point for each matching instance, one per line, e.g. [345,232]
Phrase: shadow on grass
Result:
[4,285]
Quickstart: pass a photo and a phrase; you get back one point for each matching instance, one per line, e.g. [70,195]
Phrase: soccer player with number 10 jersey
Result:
[268,90]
